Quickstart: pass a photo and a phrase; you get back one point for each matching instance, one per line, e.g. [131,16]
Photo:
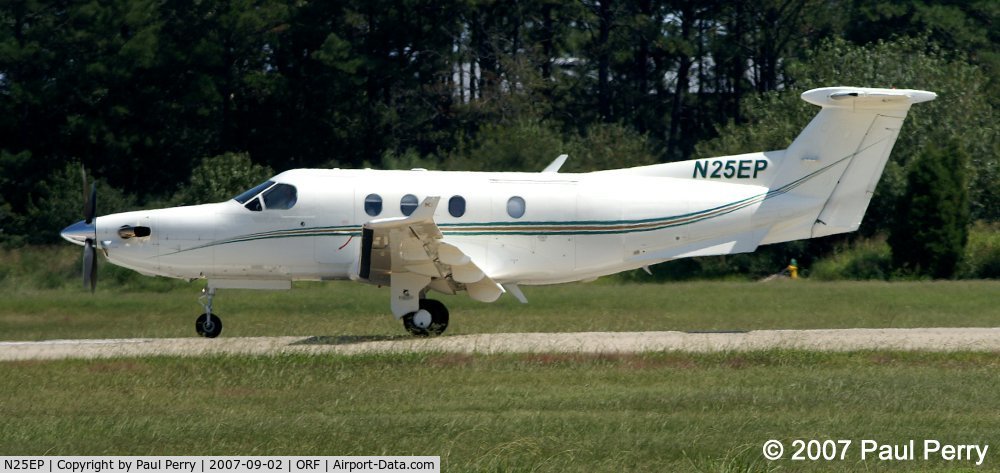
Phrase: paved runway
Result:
[927,339]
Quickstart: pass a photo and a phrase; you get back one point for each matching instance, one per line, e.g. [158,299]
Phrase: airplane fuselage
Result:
[573,227]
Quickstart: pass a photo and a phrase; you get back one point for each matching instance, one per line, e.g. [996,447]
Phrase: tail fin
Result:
[826,178]
[823,182]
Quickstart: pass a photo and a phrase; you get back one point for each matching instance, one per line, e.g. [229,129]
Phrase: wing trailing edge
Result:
[410,255]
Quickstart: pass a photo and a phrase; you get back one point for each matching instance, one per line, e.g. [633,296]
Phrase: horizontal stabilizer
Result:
[866,98]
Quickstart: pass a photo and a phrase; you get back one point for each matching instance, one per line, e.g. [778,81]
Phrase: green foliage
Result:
[54,203]
[775,118]
[871,259]
[32,268]
[608,146]
[860,260]
[966,28]
[764,262]
[57,202]
[219,178]
[58,267]
[982,252]
[521,146]
[139,90]
[773,121]
[531,145]
[409,159]
[960,112]
[931,227]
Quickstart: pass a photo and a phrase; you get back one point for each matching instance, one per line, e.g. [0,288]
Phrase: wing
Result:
[410,254]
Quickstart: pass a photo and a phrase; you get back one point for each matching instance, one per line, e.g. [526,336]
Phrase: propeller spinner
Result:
[84,233]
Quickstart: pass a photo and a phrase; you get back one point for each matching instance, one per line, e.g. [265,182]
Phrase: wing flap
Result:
[412,249]
[451,255]
[411,253]
[485,290]
[427,269]
[467,273]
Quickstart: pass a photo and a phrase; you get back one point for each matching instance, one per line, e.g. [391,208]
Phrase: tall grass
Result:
[982,253]
[61,267]
[872,258]
[862,260]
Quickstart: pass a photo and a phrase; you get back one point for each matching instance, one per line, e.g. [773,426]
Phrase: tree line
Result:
[140,92]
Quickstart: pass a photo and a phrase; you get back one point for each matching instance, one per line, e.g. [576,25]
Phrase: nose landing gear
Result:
[208,325]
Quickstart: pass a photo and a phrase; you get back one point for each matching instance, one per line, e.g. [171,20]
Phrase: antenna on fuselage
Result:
[557,163]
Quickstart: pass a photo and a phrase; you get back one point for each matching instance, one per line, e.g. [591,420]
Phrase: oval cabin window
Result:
[373,204]
[408,204]
[456,206]
[515,207]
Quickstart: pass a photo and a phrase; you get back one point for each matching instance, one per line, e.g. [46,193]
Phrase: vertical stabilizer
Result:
[827,176]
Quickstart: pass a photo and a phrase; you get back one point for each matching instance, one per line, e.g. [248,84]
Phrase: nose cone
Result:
[79,232]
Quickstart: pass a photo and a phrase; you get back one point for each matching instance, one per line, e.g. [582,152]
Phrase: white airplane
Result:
[496,231]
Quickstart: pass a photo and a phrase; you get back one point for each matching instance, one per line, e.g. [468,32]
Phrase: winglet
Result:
[557,163]
[426,209]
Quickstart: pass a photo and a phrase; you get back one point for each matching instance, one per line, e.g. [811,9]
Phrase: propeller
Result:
[89,246]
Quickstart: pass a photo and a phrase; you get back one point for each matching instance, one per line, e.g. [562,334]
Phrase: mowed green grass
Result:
[645,412]
[541,412]
[346,308]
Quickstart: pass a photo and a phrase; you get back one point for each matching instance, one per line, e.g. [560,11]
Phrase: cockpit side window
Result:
[280,197]
[254,205]
[244,197]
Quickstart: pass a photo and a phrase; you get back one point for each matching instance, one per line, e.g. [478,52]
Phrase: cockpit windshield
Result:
[244,197]
[269,196]
[280,197]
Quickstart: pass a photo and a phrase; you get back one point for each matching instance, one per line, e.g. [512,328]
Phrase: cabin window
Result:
[373,204]
[244,197]
[456,206]
[408,204]
[280,197]
[515,207]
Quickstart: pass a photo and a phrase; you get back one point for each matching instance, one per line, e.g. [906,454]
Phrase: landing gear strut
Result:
[208,325]
[431,319]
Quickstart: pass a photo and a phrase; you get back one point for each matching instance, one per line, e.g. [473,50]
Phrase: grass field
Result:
[649,412]
[542,412]
[344,308]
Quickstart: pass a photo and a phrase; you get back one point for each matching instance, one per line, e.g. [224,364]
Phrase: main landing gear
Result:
[208,325]
[431,319]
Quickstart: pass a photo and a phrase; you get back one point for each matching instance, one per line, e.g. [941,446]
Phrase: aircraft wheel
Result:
[208,325]
[431,319]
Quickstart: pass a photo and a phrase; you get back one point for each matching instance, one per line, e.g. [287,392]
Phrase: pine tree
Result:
[931,224]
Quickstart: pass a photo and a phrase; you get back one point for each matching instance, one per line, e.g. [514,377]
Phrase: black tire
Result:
[208,325]
[439,319]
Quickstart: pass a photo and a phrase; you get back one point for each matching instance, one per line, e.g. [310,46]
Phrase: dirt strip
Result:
[926,339]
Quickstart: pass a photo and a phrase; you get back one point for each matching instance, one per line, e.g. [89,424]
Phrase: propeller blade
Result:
[93,272]
[86,200]
[90,266]
[89,216]
[91,209]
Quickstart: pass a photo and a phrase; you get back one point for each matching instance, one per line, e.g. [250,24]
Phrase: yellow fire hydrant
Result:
[793,269]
